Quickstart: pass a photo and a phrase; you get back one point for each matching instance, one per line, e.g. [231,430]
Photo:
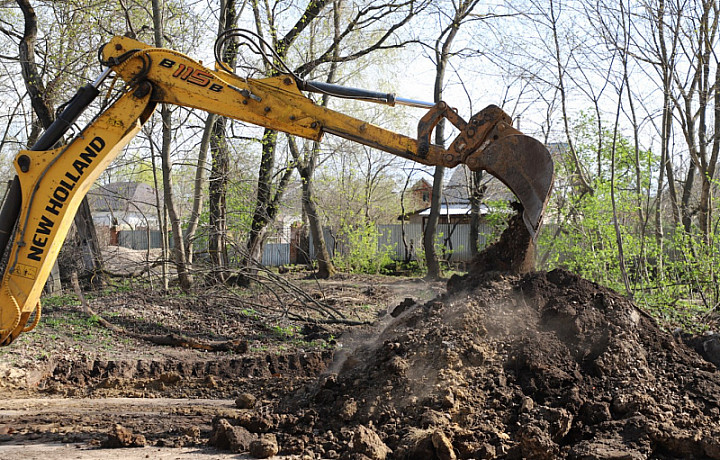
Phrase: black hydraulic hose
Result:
[360,94]
[9,213]
[64,121]
[347,92]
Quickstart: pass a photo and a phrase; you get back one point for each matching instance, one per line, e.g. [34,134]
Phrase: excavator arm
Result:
[51,181]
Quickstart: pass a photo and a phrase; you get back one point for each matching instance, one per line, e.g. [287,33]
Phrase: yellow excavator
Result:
[52,179]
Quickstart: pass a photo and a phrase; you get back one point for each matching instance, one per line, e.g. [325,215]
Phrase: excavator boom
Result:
[52,181]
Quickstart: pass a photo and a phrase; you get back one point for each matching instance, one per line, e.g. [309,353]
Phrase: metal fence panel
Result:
[457,236]
[138,239]
[276,254]
[333,244]
[390,238]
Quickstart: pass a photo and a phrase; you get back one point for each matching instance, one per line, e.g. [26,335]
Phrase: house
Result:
[420,194]
[123,206]
[455,206]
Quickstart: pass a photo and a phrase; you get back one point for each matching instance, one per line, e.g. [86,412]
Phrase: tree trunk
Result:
[305,166]
[667,66]
[475,195]
[443,46]
[217,244]
[177,234]
[89,246]
[220,169]
[87,237]
[162,221]
[326,269]
[262,214]
[198,186]
[431,258]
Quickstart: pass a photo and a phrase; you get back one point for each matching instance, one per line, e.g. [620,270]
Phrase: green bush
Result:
[364,254]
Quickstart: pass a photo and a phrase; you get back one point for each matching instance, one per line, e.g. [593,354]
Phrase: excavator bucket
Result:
[488,142]
[525,166]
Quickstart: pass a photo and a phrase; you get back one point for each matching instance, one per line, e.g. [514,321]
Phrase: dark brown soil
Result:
[536,365]
[545,366]
[514,252]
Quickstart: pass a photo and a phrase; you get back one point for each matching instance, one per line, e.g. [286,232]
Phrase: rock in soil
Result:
[366,441]
[245,401]
[225,436]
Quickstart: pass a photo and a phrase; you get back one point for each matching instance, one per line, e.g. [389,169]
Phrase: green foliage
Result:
[249,313]
[364,253]
[79,327]
[60,300]
[285,332]
[673,277]
[136,169]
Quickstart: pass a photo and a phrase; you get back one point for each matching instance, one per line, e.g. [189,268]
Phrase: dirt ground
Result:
[538,366]
[67,385]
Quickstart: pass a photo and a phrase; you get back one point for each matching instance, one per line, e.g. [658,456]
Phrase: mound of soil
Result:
[545,365]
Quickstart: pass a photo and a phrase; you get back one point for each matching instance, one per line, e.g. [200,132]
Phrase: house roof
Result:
[457,190]
[455,210]
[421,184]
[122,197]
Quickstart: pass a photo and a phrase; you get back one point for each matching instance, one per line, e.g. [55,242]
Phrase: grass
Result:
[250,313]
[285,332]
[78,327]
[689,316]
[61,300]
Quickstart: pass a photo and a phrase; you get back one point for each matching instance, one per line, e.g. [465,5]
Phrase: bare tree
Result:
[86,240]
[169,199]
[306,163]
[442,52]
[215,133]
[394,14]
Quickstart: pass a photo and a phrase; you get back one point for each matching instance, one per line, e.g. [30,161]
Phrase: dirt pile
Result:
[545,365]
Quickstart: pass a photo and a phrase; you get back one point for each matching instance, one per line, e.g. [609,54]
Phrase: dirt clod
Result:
[245,401]
[514,252]
[233,438]
[402,306]
[120,437]
[264,447]
[366,441]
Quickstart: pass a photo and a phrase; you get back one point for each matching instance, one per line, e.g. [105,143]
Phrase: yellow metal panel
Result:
[52,190]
